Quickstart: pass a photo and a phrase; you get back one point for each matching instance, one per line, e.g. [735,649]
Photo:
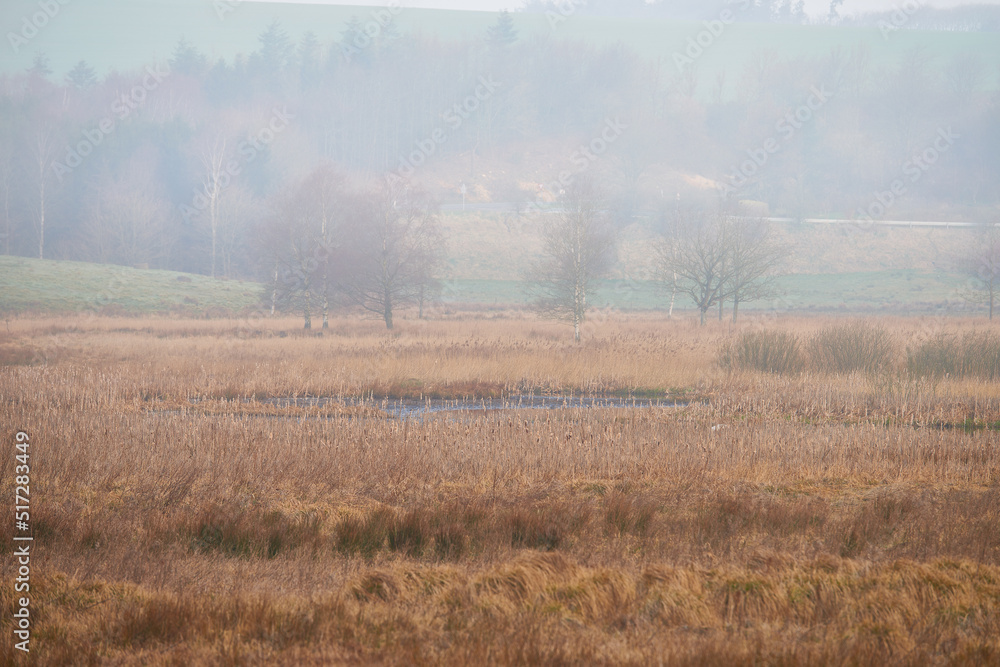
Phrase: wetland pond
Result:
[418,408]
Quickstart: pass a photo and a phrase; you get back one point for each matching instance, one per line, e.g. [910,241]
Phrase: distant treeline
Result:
[160,166]
[972,17]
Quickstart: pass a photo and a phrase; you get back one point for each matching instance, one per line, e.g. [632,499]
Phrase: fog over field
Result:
[569,332]
[191,147]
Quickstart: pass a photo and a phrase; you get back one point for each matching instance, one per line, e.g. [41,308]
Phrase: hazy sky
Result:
[812,6]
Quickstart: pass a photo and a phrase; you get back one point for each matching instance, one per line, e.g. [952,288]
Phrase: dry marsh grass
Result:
[780,519]
[973,354]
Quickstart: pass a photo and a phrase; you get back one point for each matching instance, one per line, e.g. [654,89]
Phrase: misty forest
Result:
[248,166]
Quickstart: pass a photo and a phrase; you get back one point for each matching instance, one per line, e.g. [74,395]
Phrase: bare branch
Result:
[579,249]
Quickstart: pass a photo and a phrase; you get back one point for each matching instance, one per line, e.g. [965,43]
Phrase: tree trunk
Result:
[213,220]
[41,221]
[305,310]
[673,297]
[213,160]
[326,307]
[213,239]
[6,215]
[387,311]
[579,289]
[274,290]
[703,311]
[736,309]
[721,304]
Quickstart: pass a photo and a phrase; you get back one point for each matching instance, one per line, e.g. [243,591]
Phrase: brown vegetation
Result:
[803,518]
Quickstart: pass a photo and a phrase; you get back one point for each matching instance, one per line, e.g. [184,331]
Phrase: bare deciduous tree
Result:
[753,255]
[692,259]
[327,200]
[719,257]
[299,242]
[394,249]
[579,249]
[290,243]
[127,218]
[237,214]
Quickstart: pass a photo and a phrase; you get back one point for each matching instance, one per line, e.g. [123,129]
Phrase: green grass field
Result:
[43,286]
[47,286]
[111,34]
[897,291]
[875,291]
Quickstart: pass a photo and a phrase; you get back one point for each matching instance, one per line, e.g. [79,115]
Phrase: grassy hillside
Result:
[116,35]
[32,285]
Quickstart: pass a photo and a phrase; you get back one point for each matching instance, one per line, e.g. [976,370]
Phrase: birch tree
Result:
[214,178]
[42,152]
[579,248]
[289,242]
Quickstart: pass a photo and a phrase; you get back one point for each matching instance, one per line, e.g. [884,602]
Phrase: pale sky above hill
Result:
[820,7]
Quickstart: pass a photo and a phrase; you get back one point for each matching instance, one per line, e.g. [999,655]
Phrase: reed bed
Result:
[804,518]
